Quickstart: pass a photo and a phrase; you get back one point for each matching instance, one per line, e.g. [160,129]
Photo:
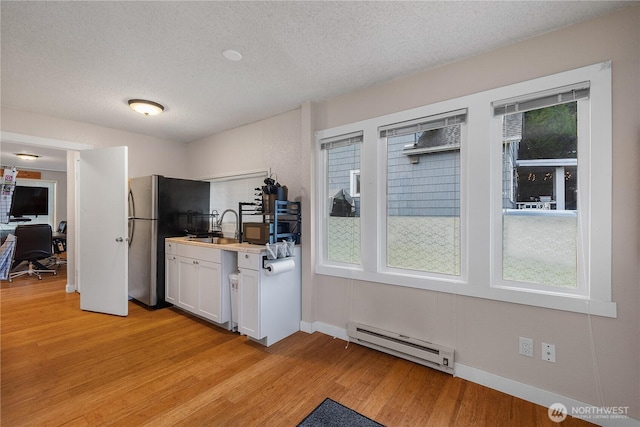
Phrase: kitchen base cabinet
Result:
[196,280]
[269,306]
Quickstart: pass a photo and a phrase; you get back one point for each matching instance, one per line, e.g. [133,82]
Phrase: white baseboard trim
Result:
[306,327]
[70,288]
[544,398]
[325,328]
[517,389]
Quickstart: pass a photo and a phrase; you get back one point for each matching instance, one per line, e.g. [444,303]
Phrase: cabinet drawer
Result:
[247,260]
[198,252]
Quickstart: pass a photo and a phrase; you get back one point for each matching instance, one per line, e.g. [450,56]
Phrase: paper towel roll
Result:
[279,266]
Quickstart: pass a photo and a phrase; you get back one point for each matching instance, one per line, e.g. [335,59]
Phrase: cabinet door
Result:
[249,303]
[187,283]
[171,279]
[209,291]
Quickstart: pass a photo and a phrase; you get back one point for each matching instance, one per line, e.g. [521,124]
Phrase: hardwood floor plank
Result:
[472,407]
[391,381]
[62,366]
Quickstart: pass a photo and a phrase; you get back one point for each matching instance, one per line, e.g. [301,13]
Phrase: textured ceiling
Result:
[82,61]
[50,159]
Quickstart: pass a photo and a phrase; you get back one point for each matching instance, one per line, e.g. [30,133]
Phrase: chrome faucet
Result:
[237,235]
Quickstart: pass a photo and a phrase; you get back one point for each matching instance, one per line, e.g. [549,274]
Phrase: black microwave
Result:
[260,233]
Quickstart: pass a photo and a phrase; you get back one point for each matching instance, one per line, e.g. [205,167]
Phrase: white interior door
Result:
[102,182]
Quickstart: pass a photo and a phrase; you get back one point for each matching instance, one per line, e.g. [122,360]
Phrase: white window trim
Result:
[329,267]
[594,197]
[581,291]
[354,176]
[481,204]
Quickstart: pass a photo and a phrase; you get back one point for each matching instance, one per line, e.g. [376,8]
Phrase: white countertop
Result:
[235,247]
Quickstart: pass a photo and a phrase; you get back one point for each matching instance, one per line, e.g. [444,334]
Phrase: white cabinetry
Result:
[268,306]
[196,280]
[249,302]
[211,285]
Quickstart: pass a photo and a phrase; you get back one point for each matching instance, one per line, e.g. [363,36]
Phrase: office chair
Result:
[60,244]
[33,244]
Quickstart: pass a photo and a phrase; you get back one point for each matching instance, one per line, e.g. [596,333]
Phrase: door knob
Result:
[119,239]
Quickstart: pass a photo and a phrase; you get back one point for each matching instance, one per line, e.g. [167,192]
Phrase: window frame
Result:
[333,267]
[582,289]
[383,202]
[354,182]
[481,200]
[594,205]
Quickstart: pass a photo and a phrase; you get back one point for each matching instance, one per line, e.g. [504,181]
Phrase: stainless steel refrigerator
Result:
[160,207]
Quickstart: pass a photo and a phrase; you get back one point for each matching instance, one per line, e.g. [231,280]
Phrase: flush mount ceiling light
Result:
[27,156]
[232,55]
[148,108]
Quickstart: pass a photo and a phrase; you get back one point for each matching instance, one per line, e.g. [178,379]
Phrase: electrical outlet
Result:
[525,347]
[548,352]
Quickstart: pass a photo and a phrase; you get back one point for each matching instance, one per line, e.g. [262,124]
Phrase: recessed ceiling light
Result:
[27,156]
[148,108]
[232,55]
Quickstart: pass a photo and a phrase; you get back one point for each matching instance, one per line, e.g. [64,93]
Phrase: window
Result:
[539,141]
[342,213]
[423,193]
[551,243]
[503,194]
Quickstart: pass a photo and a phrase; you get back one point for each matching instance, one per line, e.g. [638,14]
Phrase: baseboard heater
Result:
[425,353]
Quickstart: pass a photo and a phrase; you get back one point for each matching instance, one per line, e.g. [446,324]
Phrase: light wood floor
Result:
[63,366]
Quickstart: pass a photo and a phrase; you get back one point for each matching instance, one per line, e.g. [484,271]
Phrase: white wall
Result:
[61,193]
[268,144]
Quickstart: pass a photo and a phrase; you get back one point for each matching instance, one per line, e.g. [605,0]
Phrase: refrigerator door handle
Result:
[132,205]
[132,213]
[132,228]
